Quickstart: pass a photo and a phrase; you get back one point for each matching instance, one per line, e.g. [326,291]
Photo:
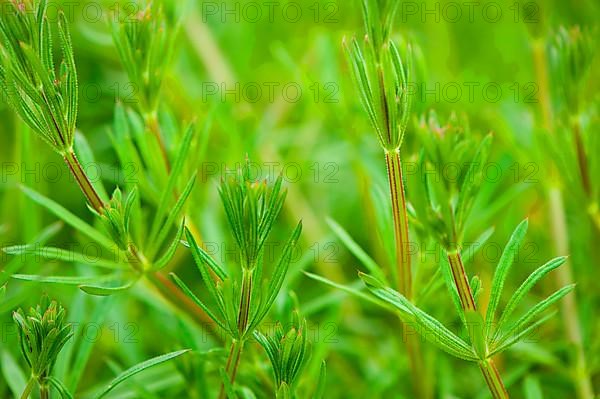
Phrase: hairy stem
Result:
[83,181]
[396,183]
[488,368]
[233,362]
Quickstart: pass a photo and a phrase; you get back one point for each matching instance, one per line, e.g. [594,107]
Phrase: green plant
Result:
[43,333]
[289,350]
[442,211]
[145,45]
[244,295]
[384,81]
[46,100]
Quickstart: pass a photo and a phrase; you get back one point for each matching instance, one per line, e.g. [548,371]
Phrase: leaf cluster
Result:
[288,351]
[43,333]
[145,44]
[243,299]
[382,75]
[487,336]
[451,167]
[45,98]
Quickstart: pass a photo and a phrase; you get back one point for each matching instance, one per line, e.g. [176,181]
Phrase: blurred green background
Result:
[270,80]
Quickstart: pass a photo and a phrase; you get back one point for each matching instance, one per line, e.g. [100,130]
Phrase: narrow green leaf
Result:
[69,280]
[69,218]
[106,291]
[320,391]
[138,368]
[62,390]
[84,349]
[355,249]
[347,288]
[520,293]
[173,214]
[52,253]
[534,312]
[202,258]
[186,290]
[16,263]
[431,329]
[172,181]
[506,261]
[170,251]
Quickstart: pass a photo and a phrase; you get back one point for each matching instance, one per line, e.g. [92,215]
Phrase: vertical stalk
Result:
[233,361]
[44,391]
[460,281]
[560,235]
[82,180]
[245,300]
[396,183]
[493,379]
[403,272]
[28,388]
[488,367]
[154,127]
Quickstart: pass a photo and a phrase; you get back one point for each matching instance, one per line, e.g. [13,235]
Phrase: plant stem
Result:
[560,234]
[28,388]
[233,361]
[488,367]
[583,384]
[396,183]
[44,391]
[460,281]
[493,379]
[83,181]
[178,299]
[154,127]
[245,300]
[403,272]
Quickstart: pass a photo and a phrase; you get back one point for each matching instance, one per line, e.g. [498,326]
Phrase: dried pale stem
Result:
[83,181]
[488,367]
[564,277]
[560,235]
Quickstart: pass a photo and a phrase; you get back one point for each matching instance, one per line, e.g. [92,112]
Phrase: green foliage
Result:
[571,55]
[138,368]
[381,76]
[145,44]
[487,337]
[45,99]
[243,299]
[288,351]
[43,332]
[447,198]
